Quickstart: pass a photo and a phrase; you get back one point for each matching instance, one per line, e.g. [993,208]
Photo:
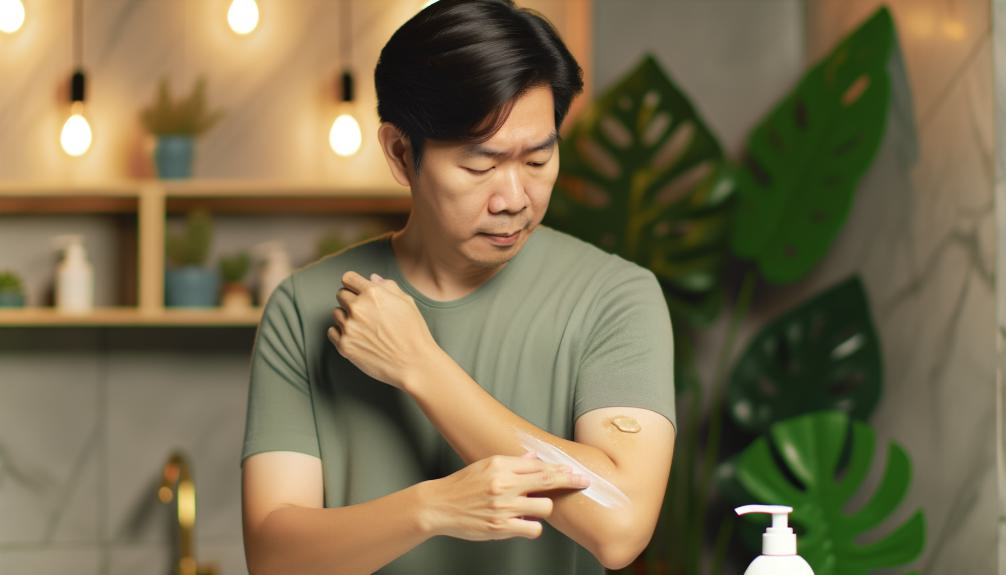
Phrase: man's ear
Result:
[397,151]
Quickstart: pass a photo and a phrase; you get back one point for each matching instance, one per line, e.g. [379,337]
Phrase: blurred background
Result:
[816,183]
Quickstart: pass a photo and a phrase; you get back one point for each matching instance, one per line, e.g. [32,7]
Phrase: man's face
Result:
[500,186]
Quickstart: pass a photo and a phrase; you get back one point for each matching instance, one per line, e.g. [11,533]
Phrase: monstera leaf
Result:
[811,447]
[643,177]
[805,159]
[824,354]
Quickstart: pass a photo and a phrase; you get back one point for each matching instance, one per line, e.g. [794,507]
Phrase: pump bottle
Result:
[778,544]
[74,276]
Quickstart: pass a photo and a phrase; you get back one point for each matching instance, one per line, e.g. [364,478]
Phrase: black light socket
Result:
[77,87]
[347,86]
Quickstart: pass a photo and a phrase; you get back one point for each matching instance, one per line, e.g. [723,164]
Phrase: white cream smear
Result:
[600,490]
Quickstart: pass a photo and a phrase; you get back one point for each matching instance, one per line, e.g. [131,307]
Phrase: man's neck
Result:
[428,266]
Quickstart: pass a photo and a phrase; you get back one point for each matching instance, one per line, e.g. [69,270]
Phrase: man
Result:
[413,397]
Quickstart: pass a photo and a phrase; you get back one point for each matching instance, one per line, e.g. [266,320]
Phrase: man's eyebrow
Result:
[479,150]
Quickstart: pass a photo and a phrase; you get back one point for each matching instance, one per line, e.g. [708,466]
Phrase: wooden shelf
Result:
[151,201]
[130,316]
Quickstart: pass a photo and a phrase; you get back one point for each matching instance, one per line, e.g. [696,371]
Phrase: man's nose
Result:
[509,196]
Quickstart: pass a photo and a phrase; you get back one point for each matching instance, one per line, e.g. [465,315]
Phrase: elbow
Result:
[615,557]
[622,546]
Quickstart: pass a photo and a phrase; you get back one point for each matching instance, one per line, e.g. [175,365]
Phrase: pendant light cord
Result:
[347,44]
[78,33]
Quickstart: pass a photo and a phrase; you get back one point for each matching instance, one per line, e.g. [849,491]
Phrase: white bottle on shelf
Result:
[74,291]
[275,268]
[778,544]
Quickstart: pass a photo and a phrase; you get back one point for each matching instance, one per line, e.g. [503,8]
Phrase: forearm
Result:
[355,539]
[477,426]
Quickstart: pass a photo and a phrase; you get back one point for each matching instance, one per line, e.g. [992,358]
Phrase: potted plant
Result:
[11,290]
[175,124]
[234,294]
[187,281]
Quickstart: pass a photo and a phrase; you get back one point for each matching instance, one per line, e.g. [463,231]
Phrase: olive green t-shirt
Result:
[563,328]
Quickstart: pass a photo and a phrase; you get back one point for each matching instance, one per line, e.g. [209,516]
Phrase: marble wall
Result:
[999,57]
[922,235]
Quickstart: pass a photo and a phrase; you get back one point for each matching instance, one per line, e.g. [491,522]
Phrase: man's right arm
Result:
[288,530]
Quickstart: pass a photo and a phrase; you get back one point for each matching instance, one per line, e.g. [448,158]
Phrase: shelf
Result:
[150,202]
[226,196]
[129,316]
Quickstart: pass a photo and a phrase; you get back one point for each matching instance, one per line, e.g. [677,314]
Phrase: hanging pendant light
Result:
[242,16]
[345,136]
[75,138]
[11,15]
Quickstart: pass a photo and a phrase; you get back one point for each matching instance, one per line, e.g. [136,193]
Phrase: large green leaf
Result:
[811,448]
[643,177]
[806,157]
[823,354]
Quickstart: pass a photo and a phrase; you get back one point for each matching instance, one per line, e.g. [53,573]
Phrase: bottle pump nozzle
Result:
[779,539]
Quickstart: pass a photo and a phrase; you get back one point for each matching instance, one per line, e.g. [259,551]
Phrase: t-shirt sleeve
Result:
[628,354]
[280,416]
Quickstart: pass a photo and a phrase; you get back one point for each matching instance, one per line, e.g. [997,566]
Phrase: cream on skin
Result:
[600,490]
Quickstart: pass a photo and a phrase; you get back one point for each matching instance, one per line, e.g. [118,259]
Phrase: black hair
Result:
[453,71]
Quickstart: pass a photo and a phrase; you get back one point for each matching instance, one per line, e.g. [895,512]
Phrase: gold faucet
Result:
[177,475]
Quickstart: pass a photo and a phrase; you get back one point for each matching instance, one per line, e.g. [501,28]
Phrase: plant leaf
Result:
[643,177]
[805,159]
[823,354]
[810,448]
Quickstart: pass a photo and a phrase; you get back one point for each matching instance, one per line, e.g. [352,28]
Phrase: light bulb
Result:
[11,15]
[76,135]
[242,16]
[345,136]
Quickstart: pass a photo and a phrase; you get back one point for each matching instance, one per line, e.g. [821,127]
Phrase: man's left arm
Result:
[477,426]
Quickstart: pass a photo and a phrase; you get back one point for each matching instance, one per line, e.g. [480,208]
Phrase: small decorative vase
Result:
[11,299]
[235,297]
[173,156]
[191,286]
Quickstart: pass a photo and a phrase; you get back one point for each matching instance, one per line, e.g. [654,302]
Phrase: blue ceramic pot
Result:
[11,299]
[173,156]
[191,286]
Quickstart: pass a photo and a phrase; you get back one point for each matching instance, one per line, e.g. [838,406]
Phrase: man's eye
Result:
[537,164]
[479,172]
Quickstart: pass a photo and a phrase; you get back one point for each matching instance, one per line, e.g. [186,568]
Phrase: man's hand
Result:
[379,328]
[496,498]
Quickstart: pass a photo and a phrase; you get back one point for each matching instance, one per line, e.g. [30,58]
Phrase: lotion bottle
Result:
[275,269]
[778,544]
[74,276]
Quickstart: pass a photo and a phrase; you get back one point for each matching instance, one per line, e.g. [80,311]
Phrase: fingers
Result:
[524,527]
[340,319]
[355,281]
[346,297]
[552,477]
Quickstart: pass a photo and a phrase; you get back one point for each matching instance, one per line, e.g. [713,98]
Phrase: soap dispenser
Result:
[74,276]
[274,270]
[778,544]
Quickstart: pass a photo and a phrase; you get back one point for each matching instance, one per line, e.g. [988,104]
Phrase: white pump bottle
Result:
[275,269]
[74,276]
[778,544]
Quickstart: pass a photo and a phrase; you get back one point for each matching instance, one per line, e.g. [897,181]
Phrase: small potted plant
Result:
[187,281]
[175,124]
[11,290]
[234,294]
